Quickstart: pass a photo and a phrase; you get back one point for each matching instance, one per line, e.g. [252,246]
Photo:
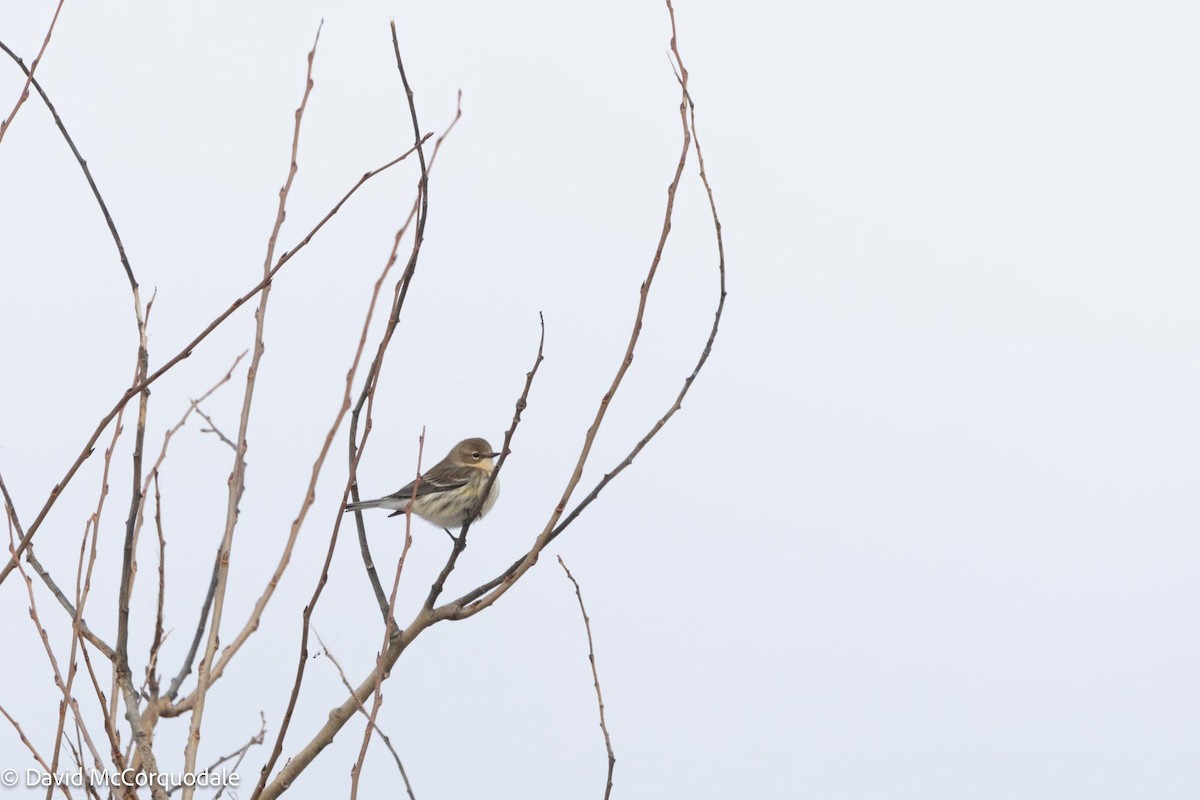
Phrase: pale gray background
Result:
[927,526]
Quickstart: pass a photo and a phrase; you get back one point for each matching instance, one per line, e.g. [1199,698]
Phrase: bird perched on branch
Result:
[448,490]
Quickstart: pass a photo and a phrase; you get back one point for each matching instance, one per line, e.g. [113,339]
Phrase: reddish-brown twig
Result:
[29,746]
[157,640]
[4,125]
[64,686]
[587,624]
[237,476]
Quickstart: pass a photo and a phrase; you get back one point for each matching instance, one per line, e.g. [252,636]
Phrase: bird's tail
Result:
[359,506]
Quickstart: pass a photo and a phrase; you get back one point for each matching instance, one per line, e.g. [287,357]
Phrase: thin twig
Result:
[389,629]
[238,754]
[122,672]
[587,624]
[193,405]
[157,640]
[68,701]
[83,588]
[325,651]
[45,576]
[212,428]
[186,668]
[112,228]
[29,74]
[460,542]
[29,745]
[420,211]
[237,476]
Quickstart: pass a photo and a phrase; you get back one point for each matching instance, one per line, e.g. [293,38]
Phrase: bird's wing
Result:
[429,485]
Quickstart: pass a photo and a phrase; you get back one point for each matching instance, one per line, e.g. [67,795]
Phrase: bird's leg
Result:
[451,535]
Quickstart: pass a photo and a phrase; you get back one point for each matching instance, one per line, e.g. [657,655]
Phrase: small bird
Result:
[448,489]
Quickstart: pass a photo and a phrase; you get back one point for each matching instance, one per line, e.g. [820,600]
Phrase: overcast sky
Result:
[926,526]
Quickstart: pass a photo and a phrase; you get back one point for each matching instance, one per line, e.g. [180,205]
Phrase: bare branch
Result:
[390,628]
[157,640]
[64,686]
[123,674]
[212,428]
[29,745]
[45,576]
[325,651]
[237,477]
[29,74]
[194,405]
[587,624]
[238,754]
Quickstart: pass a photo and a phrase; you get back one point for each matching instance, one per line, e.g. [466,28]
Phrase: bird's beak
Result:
[494,455]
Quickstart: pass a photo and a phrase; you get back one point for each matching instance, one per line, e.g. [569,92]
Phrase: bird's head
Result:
[473,453]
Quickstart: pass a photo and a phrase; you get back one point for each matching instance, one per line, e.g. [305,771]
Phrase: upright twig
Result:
[83,587]
[193,405]
[460,542]
[64,686]
[157,640]
[587,624]
[237,476]
[420,210]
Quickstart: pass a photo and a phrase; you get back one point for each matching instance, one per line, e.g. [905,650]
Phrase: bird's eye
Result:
[474,455]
